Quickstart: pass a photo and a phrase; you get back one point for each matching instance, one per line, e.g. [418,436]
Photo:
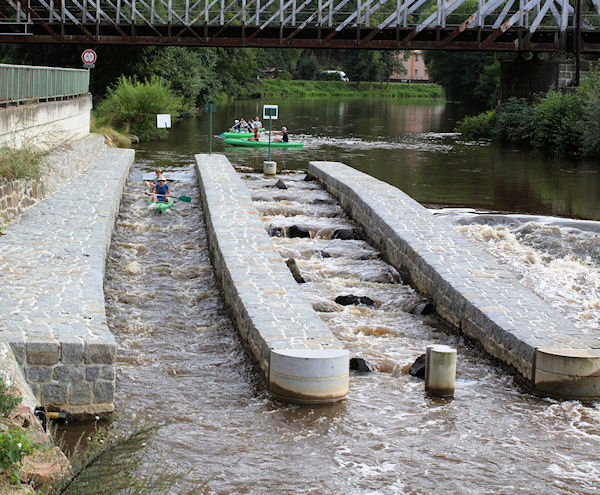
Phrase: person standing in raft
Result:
[162,190]
[284,136]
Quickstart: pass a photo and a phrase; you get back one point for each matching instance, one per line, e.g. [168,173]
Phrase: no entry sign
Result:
[88,57]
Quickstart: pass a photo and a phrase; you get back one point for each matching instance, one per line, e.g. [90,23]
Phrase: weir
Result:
[299,357]
[469,288]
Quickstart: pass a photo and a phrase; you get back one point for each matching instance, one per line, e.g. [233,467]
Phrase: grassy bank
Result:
[283,88]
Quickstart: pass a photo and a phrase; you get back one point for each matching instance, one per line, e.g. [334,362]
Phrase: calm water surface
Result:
[180,360]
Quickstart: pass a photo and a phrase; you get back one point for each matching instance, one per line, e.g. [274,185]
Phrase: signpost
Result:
[210,108]
[270,112]
[89,58]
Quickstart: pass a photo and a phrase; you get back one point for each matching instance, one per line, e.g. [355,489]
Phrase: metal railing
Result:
[23,83]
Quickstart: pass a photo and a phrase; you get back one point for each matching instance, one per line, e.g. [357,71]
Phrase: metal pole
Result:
[270,131]
[209,131]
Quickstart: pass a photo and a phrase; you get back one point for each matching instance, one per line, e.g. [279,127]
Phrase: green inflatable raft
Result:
[160,206]
[262,144]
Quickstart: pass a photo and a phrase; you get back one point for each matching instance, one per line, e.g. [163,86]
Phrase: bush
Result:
[555,124]
[589,123]
[514,122]
[21,163]
[132,105]
[477,126]
[9,399]
[14,446]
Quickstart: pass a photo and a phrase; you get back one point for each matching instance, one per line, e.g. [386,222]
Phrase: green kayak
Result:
[160,206]
[238,134]
[262,144]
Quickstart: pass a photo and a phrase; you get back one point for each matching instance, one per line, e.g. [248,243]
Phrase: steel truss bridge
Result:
[501,25]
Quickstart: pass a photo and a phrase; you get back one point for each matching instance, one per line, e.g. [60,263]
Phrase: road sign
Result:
[270,112]
[89,57]
[163,120]
[210,108]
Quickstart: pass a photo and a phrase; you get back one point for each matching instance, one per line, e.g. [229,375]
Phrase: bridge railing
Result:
[23,83]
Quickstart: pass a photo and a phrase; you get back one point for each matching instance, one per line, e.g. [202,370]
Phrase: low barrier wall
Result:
[299,357]
[468,287]
[45,124]
[52,271]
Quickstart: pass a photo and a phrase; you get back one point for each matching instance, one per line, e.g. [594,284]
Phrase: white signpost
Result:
[163,120]
[270,112]
[89,58]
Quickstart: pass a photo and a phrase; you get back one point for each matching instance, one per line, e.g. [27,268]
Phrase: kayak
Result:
[160,206]
[262,144]
[238,134]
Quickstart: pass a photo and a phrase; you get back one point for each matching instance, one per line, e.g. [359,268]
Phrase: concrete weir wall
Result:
[301,360]
[45,124]
[469,288]
[52,272]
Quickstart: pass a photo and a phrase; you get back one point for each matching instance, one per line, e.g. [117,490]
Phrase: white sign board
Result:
[163,120]
[270,112]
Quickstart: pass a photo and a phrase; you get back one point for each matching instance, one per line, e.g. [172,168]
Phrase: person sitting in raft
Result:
[154,183]
[236,126]
[256,135]
[284,136]
[162,190]
[257,122]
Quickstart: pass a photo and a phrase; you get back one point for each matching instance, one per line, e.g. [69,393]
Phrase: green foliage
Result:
[114,462]
[514,122]
[555,122]
[132,105]
[589,120]
[477,126]
[9,398]
[14,446]
[21,163]
[309,67]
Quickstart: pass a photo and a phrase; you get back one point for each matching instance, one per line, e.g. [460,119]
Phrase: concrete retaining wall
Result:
[45,124]
[299,357]
[62,166]
[468,287]
[52,272]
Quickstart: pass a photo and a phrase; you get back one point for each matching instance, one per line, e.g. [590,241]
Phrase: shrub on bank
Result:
[131,107]
[513,122]
[21,163]
[554,123]
[478,126]
[589,121]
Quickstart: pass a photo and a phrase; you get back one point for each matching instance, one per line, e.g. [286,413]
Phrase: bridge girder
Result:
[500,25]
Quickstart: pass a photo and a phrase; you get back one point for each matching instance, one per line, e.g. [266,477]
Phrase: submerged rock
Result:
[361,365]
[309,178]
[345,235]
[418,367]
[297,231]
[423,309]
[293,266]
[275,231]
[323,254]
[280,184]
[355,300]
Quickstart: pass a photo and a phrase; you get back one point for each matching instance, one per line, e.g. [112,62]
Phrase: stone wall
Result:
[62,166]
[45,124]
[52,271]
[299,357]
[469,288]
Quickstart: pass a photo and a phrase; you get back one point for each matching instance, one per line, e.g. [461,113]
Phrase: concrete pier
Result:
[469,288]
[52,272]
[299,357]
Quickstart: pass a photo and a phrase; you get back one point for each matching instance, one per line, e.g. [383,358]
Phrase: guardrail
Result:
[23,83]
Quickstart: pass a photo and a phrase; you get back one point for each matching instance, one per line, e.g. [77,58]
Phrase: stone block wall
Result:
[469,288]
[61,166]
[299,357]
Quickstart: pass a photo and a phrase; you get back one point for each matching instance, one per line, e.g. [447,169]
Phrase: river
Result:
[179,358]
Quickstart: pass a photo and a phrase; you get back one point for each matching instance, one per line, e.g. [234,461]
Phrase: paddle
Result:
[185,199]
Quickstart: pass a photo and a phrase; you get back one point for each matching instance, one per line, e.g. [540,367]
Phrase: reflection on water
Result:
[179,357]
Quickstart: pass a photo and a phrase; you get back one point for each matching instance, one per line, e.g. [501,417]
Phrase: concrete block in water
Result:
[440,370]
[309,376]
[270,168]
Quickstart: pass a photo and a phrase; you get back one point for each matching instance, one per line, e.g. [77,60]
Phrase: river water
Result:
[179,358]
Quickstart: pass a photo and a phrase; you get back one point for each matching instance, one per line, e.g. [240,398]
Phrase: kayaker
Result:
[284,136]
[236,126]
[256,135]
[257,122]
[162,189]
[154,183]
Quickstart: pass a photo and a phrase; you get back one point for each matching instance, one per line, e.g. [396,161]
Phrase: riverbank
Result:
[281,87]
